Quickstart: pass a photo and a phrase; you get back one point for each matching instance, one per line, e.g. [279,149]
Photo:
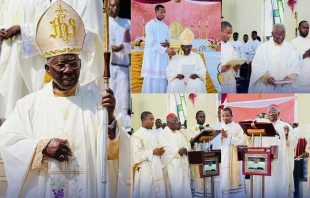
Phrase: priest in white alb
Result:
[302,45]
[156,51]
[51,144]
[228,53]
[275,65]
[119,29]
[148,172]
[175,160]
[186,73]
[232,179]
[281,182]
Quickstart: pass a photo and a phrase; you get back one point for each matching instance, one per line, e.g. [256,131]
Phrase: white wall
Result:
[245,16]
[205,102]
[303,113]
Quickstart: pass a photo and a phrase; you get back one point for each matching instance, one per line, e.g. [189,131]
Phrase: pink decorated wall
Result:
[183,12]
[286,108]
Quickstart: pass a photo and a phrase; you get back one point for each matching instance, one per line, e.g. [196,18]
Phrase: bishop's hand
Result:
[12,31]
[58,150]
[180,76]
[193,76]
[3,34]
[225,68]
[108,101]
[236,68]
[271,80]
[159,151]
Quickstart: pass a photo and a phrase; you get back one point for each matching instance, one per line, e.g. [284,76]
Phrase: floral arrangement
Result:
[192,97]
[139,42]
[213,43]
[291,4]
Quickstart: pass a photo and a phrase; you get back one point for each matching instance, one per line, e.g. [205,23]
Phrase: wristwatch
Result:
[113,124]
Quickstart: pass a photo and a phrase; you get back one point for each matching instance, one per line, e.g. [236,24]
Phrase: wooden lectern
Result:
[257,160]
[208,162]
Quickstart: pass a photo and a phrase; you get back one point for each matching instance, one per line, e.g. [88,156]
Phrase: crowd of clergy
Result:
[275,66]
[166,70]
[161,166]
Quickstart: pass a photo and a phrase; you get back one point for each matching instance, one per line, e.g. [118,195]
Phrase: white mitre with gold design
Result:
[186,37]
[60,30]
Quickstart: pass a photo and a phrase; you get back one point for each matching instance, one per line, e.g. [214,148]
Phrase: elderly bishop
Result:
[186,73]
[51,143]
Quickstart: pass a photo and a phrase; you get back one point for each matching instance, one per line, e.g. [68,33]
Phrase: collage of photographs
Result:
[154,99]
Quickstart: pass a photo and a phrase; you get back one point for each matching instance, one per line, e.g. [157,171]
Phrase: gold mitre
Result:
[60,30]
[186,37]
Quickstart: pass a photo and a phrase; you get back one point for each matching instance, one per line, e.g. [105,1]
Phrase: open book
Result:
[205,134]
[235,61]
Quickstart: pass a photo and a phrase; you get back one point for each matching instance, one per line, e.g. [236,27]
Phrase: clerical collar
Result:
[277,44]
[229,122]
[147,128]
[157,20]
[67,93]
[304,38]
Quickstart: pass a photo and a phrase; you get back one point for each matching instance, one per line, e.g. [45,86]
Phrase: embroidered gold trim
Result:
[40,161]
[113,148]
[60,51]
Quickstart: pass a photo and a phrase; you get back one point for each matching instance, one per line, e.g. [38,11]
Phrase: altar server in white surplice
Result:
[51,144]
[119,29]
[186,73]
[275,60]
[232,180]
[227,53]
[175,160]
[148,173]
[302,45]
[155,57]
[281,182]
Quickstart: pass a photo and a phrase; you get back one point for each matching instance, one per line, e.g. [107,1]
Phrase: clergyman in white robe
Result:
[274,60]
[232,179]
[186,85]
[148,173]
[21,66]
[155,58]
[229,81]
[281,182]
[120,65]
[302,44]
[41,116]
[176,167]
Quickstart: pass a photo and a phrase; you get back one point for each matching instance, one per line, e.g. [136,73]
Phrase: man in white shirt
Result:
[237,44]
[159,128]
[155,58]
[253,45]
[302,46]
[245,46]
[119,29]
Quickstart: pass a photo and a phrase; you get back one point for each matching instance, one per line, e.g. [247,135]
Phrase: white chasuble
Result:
[232,180]
[176,167]
[79,119]
[280,183]
[148,173]
[186,65]
[229,81]
[278,61]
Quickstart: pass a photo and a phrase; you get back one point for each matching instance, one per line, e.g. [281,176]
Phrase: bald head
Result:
[278,33]
[114,8]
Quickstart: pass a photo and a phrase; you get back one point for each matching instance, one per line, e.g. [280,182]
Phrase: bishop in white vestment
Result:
[51,144]
[281,182]
[186,73]
[119,29]
[232,179]
[148,173]
[276,60]
[175,160]
[227,53]
[155,57]
[302,46]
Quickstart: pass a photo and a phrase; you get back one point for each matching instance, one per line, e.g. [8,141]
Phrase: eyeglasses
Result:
[62,66]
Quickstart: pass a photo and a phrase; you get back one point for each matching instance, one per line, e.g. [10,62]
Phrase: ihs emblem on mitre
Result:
[60,30]
[186,37]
